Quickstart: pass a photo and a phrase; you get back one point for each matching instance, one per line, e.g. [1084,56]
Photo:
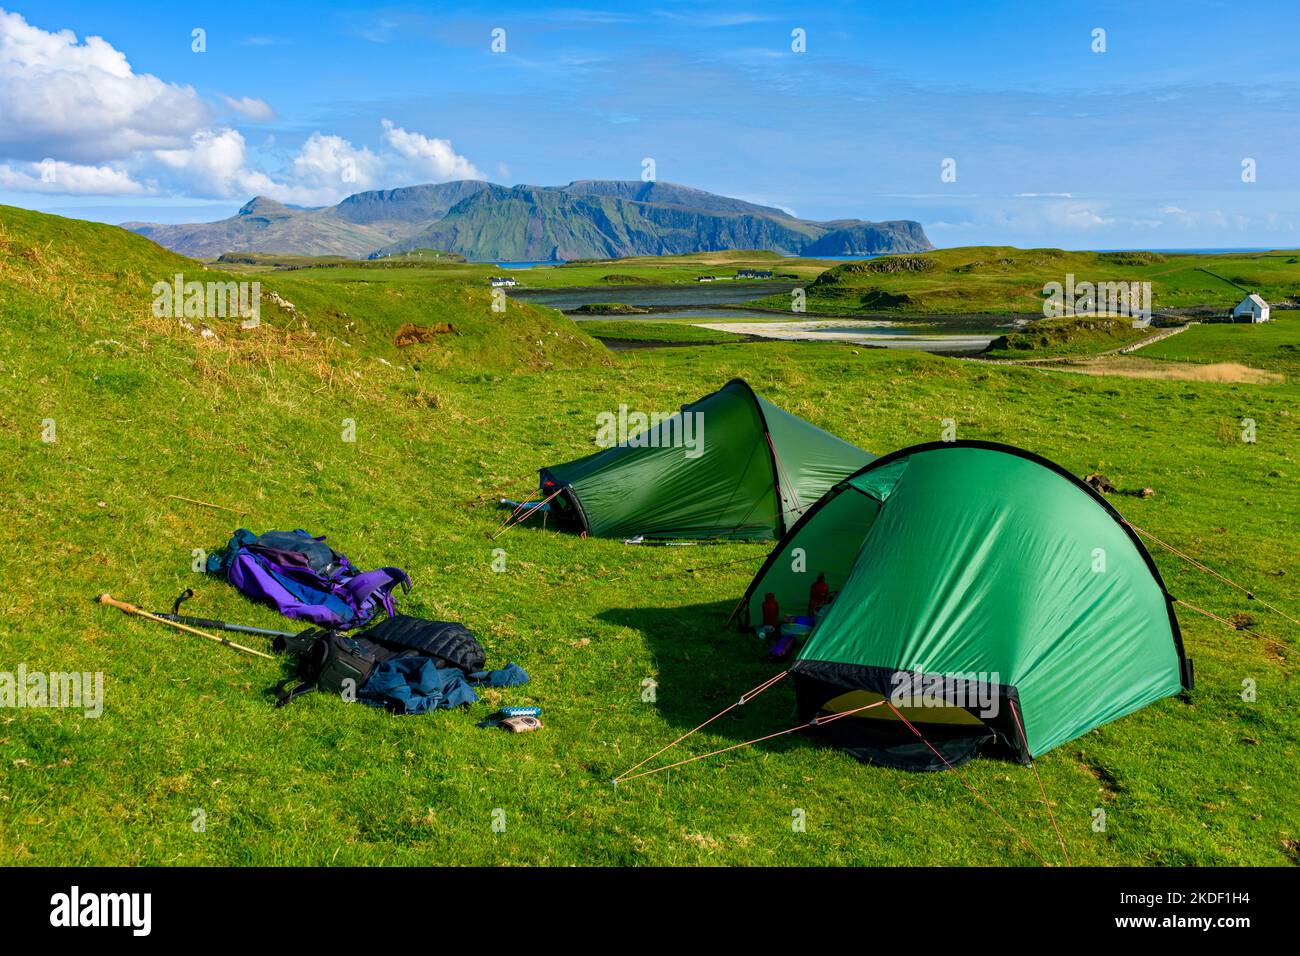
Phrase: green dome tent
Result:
[730,465]
[989,596]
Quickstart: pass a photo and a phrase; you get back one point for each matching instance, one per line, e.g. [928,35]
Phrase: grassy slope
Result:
[1048,338]
[253,421]
[1004,279]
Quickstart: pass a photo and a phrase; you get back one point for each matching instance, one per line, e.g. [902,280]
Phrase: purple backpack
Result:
[304,578]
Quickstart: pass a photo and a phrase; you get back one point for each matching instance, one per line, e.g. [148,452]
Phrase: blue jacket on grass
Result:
[415,685]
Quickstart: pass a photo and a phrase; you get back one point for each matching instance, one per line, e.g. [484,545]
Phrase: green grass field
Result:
[636,270]
[684,268]
[998,279]
[257,262]
[1271,345]
[255,420]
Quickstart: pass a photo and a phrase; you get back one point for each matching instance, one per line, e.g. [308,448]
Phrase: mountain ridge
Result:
[485,221]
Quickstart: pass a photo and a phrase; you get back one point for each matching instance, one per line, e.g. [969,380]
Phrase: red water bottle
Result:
[771,611]
[818,595]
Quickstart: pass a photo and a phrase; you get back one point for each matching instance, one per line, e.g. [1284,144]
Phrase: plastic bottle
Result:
[771,611]
[818,595]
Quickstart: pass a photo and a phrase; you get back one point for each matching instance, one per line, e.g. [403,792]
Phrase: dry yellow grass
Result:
[1130,367]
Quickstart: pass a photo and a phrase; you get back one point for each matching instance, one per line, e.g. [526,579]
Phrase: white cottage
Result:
[1251,309]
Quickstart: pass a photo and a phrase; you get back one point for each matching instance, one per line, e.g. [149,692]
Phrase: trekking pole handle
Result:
[120,605]
[132,609]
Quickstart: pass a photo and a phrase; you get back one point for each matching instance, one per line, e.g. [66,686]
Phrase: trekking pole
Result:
[224,625]
[180,618]
[132,609]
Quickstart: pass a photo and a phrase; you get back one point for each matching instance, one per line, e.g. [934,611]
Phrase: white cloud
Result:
[429,158]
[324,170]
[50,176]
[214,165]
[764,201]
[327,168]
[1076,215]
[77,108]
[250,107]
[81,101]
[698,17]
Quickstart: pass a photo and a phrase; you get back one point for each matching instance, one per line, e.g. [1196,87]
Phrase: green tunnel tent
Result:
[981,590]
[748,475]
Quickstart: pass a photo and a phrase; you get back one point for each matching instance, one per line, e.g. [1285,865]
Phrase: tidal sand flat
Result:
[880,336]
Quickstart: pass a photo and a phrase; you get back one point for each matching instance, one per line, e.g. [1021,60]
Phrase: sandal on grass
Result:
[522,724]
[495,719]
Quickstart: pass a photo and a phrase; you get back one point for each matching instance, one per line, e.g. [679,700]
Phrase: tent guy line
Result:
[745,698]
[1029,846]
[1209,570]
[1015,712]
[511,521]
[628,775]
[815,722]
[1223,620]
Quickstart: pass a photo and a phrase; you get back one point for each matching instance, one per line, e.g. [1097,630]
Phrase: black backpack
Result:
[333,662]
[328,661]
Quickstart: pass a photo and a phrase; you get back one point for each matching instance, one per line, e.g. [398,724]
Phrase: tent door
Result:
[877,736]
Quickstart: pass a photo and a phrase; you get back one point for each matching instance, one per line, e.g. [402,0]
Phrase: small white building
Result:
[502,281]
[1251,309]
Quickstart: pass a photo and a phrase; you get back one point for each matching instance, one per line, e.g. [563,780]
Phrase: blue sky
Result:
[1141,145]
